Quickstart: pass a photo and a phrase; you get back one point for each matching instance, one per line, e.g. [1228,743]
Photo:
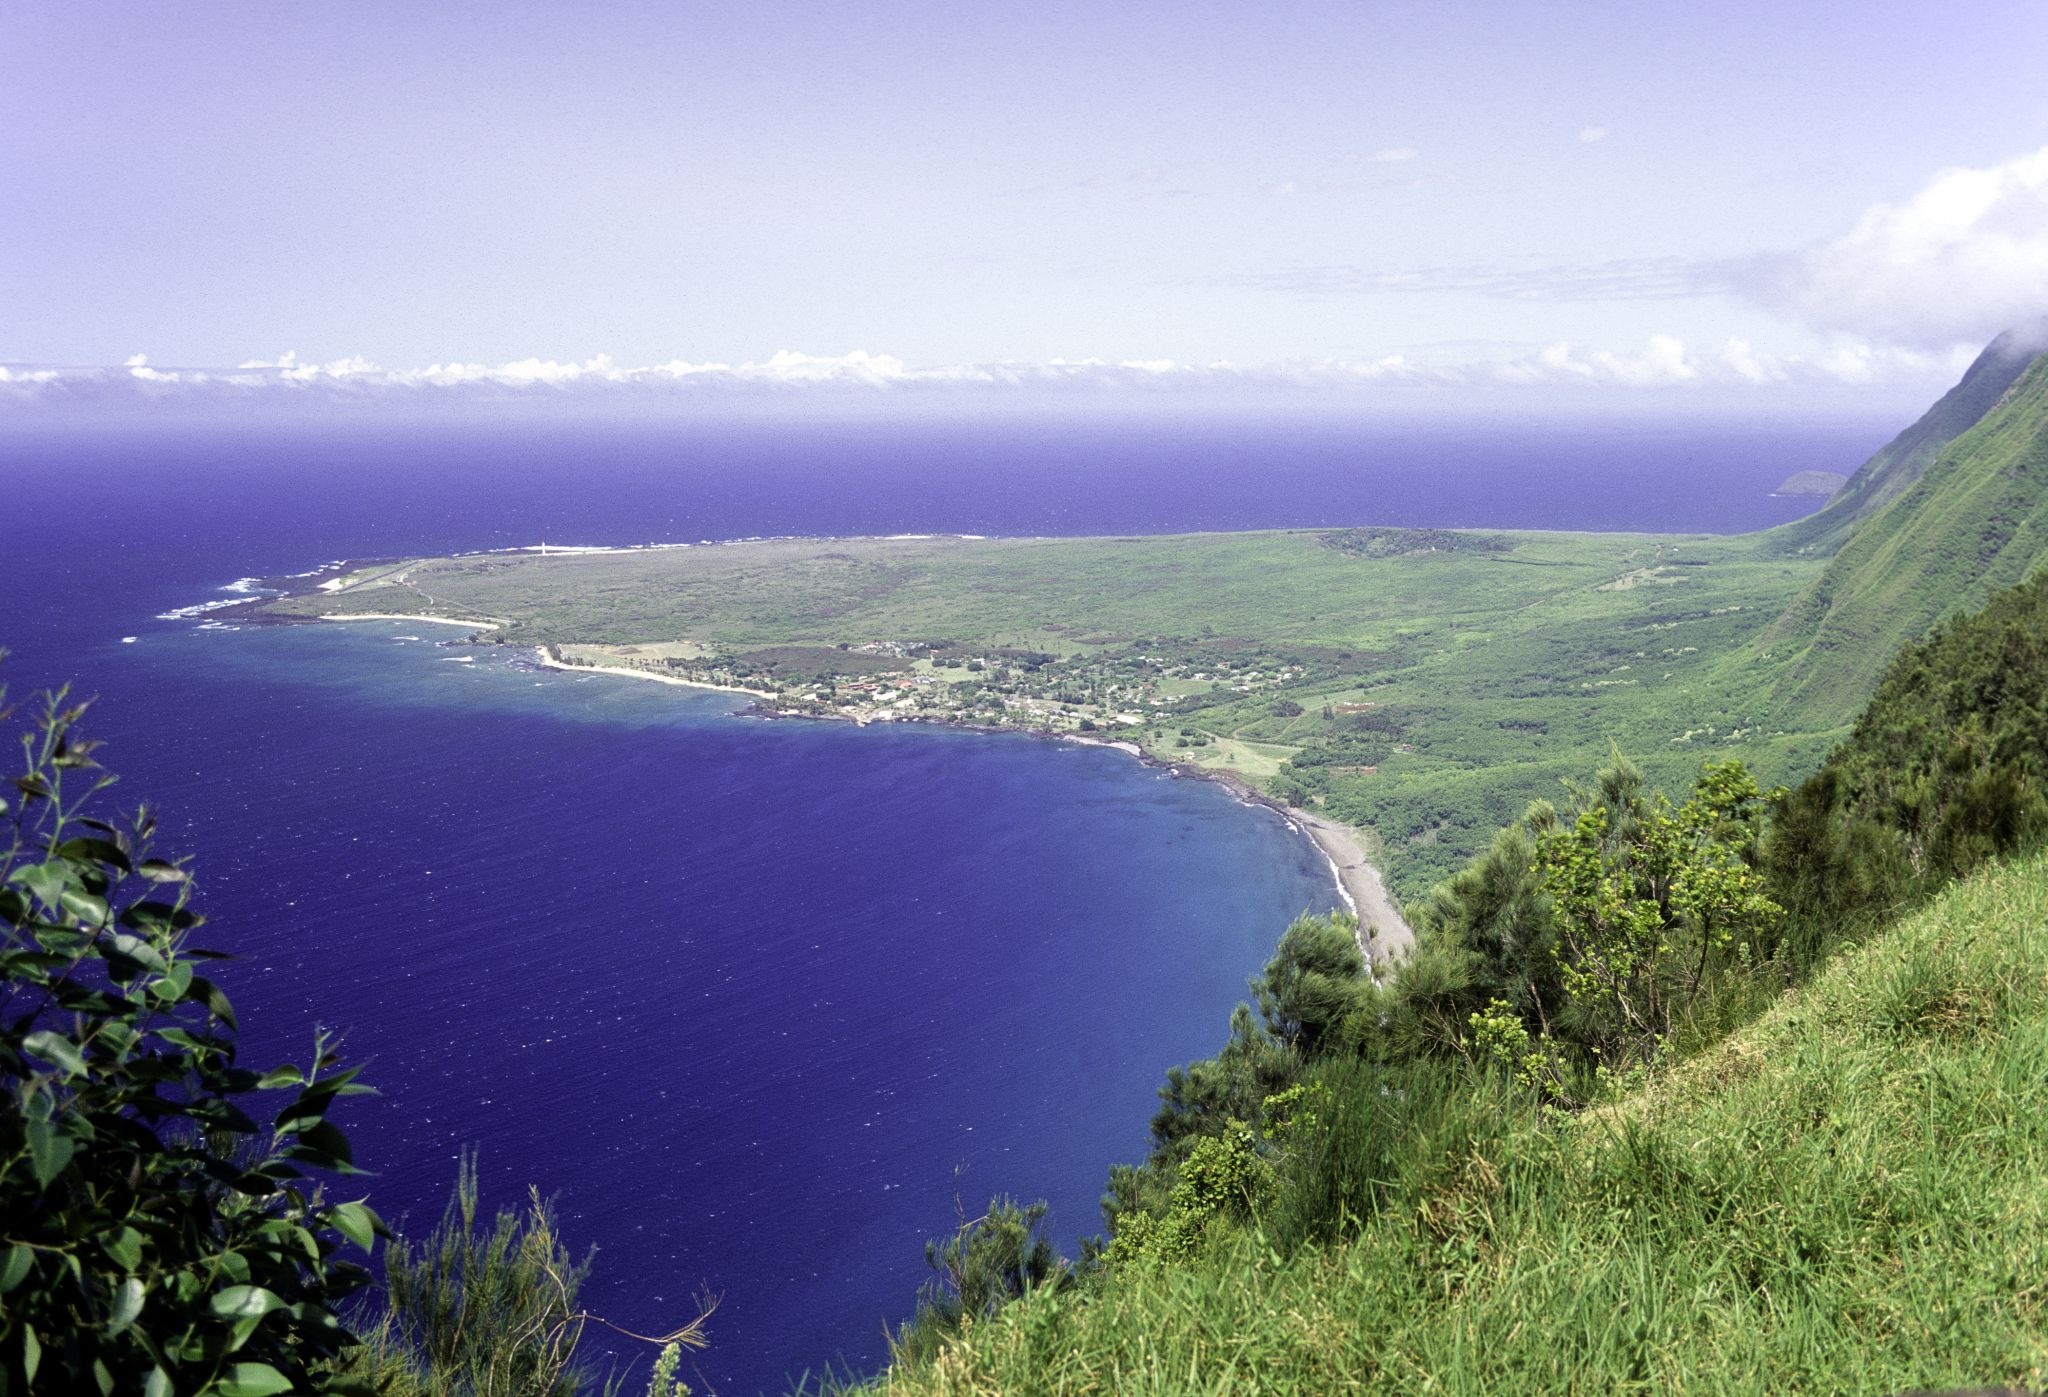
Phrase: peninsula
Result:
[1411,689]
[1402,692]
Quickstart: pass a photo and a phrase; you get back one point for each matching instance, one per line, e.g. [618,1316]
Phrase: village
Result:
[1107,690]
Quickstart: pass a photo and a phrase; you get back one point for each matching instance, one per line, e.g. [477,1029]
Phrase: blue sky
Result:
[1613,196]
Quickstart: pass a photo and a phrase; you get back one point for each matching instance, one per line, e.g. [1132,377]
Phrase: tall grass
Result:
[1849,1196]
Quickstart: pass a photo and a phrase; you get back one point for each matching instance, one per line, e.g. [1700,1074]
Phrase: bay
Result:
[754,1000]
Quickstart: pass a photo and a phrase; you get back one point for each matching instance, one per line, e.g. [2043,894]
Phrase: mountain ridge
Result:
[1902,461]
[1925,530]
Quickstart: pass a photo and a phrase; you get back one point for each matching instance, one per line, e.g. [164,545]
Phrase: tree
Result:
[154,1238]
[989,1261]
[1647,898]
[1314,984]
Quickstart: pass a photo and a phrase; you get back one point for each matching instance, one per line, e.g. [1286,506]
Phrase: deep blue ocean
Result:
[752,999]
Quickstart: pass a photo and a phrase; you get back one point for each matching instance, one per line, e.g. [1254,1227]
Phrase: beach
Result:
[413,616]
[1384,934]
[548,662]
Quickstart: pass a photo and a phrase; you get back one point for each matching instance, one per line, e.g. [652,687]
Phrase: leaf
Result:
[85,906]
[285,1076]
[158,871]
[125,1247]
[46,881]
[356,1222]
[94,851]
[253,1380]
[49,1150]
[140,949]
[325,1135]
[31,1353]
[14,1268]
[158,916]
[241,1301]
[157,1384]
[206,992]
[127,1306]
[56,1048]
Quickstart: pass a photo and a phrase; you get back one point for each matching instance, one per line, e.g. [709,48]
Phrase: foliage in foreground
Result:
[1849,1197]
[987,1263]
[156,1237]
[474,1312]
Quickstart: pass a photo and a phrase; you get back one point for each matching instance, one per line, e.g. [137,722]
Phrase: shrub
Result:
[988,1262]
[157,1239]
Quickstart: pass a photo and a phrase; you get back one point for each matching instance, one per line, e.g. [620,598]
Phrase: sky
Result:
[1744,198]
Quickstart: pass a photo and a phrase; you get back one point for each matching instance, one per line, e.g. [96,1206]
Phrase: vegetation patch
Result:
[1401,543]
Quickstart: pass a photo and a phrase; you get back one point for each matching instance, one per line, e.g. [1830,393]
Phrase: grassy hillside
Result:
[1850,1196]
[1901,463]
[1975,521]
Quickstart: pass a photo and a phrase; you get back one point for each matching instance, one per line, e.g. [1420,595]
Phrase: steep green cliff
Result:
[1974,520]
[1896,468]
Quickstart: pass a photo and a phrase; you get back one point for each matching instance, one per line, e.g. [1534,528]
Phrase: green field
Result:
[1441,680]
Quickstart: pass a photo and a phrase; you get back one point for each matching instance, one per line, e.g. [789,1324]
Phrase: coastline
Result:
[410,616]
[541,657]
[1383,933]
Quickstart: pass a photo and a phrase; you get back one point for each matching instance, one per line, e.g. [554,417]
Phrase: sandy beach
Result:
[547,662]
[413,616]
[1383,931]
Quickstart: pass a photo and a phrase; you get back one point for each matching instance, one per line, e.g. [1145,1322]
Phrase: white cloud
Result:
[1589,134]
[1663,362]
[1393,155]
[135,361]
[1961,260]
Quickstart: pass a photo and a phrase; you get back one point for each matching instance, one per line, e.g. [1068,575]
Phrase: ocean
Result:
[755,1001]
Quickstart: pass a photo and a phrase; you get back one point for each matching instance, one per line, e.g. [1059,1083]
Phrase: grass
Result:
[1442,687]
[1849,1196]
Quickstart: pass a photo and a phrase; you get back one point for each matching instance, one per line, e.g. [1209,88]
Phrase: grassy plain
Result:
[1423,685]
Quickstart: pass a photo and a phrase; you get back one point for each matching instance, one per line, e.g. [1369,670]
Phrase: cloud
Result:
[1631,279]
[1961,260]
[1663,362]
[1589,134]
[1393,155]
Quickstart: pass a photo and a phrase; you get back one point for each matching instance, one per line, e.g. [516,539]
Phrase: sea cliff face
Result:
[1811,485]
